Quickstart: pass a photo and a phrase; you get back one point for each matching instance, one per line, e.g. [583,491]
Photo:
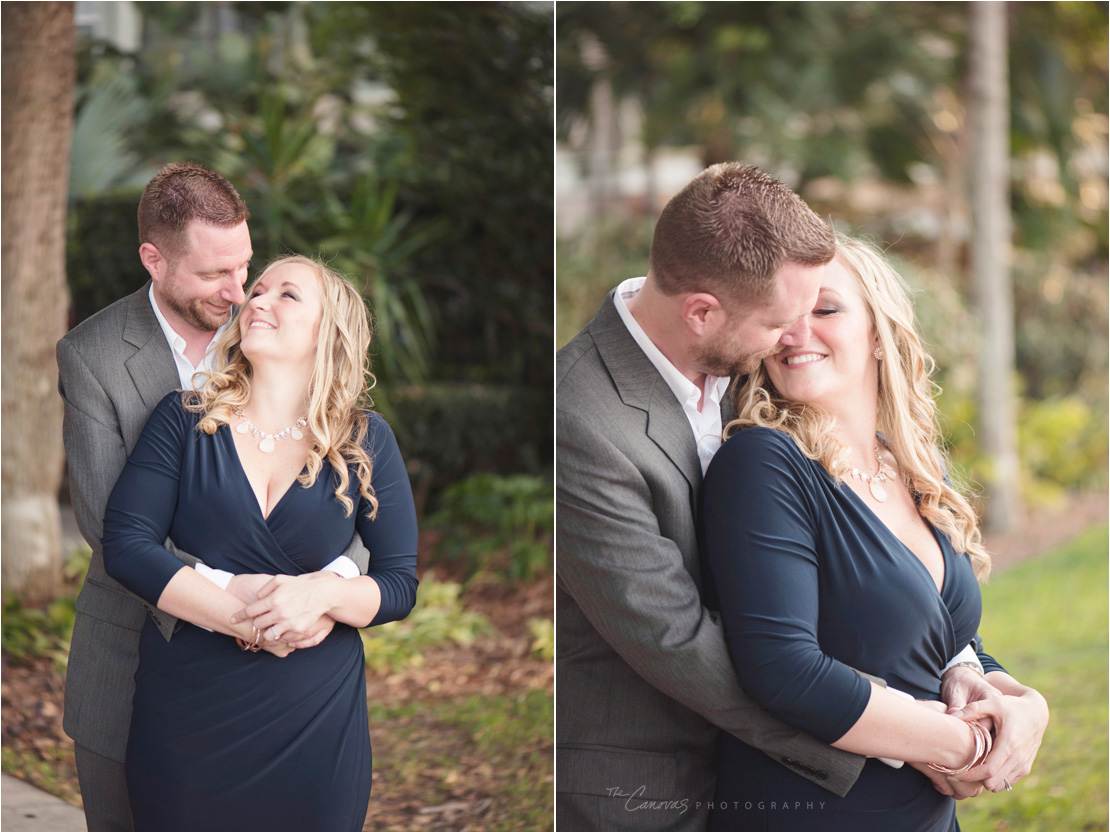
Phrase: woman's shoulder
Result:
[172,408]
[379,434]
[761,449]
[763,441]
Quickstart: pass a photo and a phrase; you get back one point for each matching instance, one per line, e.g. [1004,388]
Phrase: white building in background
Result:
[119,23]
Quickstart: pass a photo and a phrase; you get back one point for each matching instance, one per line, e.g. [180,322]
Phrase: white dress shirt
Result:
[190,377]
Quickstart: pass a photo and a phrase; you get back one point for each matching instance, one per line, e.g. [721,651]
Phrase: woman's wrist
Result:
[972,745]
[329,592]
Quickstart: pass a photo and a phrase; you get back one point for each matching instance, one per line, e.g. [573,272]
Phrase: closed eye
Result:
[824,312]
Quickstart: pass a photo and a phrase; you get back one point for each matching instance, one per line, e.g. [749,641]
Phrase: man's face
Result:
[753,333]
[200,286]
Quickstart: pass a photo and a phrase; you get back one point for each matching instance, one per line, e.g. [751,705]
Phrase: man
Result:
[644,677]
[113,369]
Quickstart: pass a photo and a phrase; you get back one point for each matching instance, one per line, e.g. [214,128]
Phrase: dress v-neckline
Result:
[910,552]
[250,486]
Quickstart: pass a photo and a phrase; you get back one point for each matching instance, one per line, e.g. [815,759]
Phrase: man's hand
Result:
[949,785]
[316,634]
[245,587]
[962,685]
[1020,721]
[290,604]
[278,648]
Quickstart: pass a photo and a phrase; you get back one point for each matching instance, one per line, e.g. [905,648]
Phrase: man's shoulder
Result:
[583,381]
[106,325]
[577,355]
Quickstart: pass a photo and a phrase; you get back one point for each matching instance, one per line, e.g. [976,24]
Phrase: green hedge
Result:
[449,431]
[102,253]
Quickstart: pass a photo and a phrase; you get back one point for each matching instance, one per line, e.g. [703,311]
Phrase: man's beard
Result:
[196,313]
[712,358]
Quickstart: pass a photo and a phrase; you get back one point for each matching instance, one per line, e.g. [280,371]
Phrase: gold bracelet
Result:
[983,745]
[253,646]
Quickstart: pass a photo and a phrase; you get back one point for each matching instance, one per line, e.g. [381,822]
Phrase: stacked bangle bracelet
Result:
[253,645]
[983,744]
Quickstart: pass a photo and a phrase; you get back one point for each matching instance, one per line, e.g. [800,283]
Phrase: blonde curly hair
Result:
[907,413]
[338,390]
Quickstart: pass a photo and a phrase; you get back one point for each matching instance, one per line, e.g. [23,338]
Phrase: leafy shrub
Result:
[448,431]
[543,637]
[438,617]
[1062,443]
[30,632]
[498,524]
[34,632]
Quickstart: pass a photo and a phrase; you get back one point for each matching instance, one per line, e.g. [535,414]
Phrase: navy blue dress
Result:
[810,583]
[223,739]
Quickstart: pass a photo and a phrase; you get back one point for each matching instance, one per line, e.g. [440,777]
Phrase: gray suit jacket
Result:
[113,369]
[644,679]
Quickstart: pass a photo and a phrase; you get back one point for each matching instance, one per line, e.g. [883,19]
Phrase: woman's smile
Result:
[802,358]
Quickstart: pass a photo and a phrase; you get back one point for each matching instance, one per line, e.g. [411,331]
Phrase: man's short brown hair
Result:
[184,191]
[730,230]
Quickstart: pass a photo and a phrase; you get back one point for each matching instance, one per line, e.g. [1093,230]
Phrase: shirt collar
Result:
[176,342]
[684,390]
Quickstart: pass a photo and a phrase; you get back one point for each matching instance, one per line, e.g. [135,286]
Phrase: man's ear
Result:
[703,313]
[153,261]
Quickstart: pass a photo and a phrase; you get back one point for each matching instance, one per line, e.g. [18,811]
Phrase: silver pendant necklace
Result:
[875,481]
[266,445]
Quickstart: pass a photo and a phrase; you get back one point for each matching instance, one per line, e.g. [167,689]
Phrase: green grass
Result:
[1046,622]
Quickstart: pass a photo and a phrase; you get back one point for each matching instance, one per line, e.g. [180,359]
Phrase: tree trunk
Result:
[990,261]
[39,72]
[603,143]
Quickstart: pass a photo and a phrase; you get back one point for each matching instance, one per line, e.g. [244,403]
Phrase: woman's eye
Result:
[824,312]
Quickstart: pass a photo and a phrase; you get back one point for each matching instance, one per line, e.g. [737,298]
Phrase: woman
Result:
[836,544]
[223,735]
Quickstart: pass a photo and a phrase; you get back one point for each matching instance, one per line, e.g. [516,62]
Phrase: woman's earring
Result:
[878,353]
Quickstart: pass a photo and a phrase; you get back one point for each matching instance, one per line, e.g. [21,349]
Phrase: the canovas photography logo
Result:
[635,802]
[765,805]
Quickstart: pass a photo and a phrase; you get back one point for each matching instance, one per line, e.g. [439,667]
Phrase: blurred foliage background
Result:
[407,144]
[861,107]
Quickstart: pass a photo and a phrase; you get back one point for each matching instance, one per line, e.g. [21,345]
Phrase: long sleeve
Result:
[988,661]
[759,524]
[391,536]
[141,507]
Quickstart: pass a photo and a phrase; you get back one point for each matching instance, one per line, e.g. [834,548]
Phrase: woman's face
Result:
[281,319]
[835,368]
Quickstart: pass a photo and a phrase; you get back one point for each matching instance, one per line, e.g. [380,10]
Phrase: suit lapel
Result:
[728,406]
[640,386]
[152,368]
